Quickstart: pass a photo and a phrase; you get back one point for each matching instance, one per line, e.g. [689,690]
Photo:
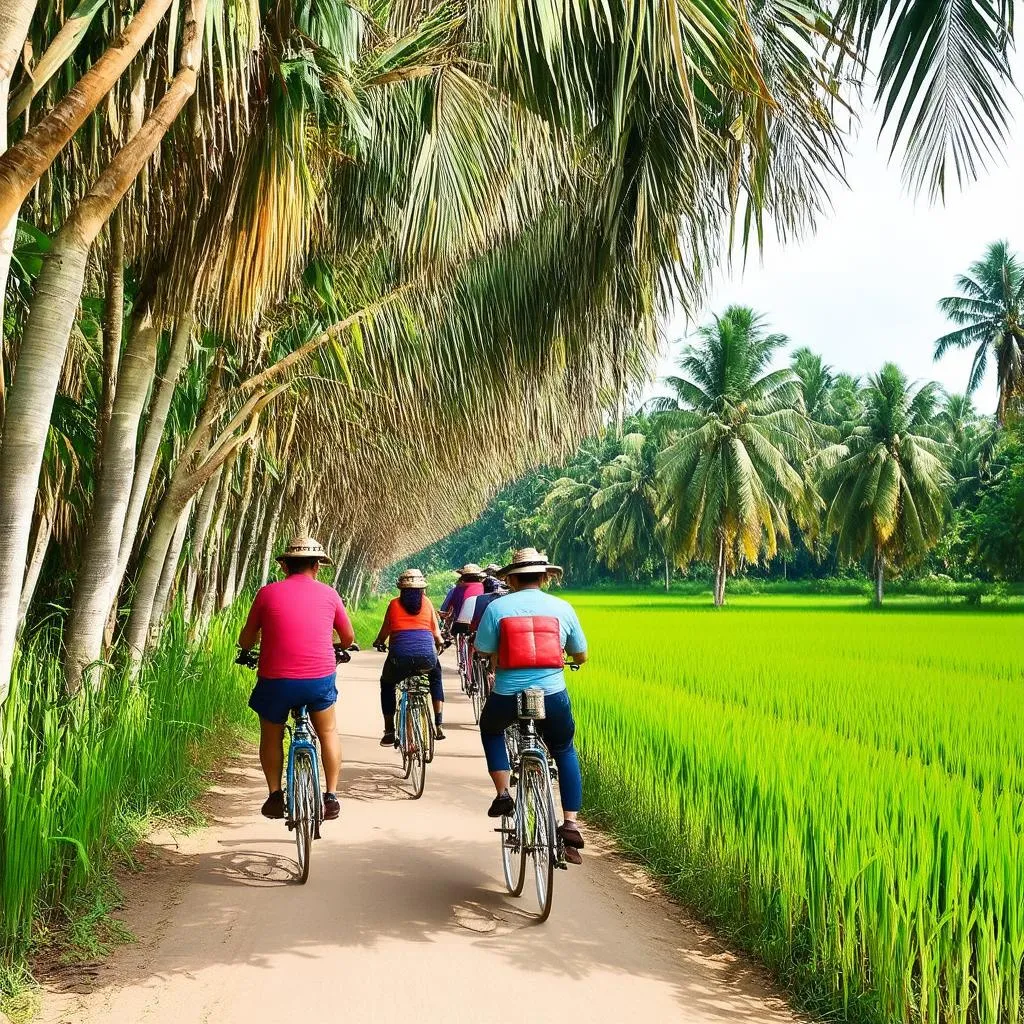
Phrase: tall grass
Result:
[842,790]
[71,770]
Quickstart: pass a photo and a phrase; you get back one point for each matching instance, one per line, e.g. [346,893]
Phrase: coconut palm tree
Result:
[627,506]
[990,312]
[886,486]
[730,468]
[970,440]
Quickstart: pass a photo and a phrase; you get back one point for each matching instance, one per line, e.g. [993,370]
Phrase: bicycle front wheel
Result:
[304,809]
[540,832]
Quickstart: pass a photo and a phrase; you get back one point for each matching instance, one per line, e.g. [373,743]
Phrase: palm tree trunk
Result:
[164,590]
[113,323]
[8,231]
[269,535]
[249,544]
[26,161]
[879,576]
[720,572]
[150,447]
[15,18]
[97,581]
[668,575]
[60,50]
[44,344]
[235,546]
[200,530]
[40,544]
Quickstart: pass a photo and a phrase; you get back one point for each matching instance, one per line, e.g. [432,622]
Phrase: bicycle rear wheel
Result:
[477,691]
[417,756]
[402,735]
[513,852]
[431,733]
[305,808]
[540,831]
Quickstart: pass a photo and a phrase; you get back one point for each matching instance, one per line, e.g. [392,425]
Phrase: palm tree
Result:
[817,388]
[627,506]
[990,311]
[970,440]
[738,434]
[886,486]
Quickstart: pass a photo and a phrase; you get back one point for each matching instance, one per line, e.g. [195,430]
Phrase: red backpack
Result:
[530,641]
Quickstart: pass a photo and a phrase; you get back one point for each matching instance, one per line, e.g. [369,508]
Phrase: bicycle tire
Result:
[477,694]
[541,837]
[304,804]
[513,852]
[401,728]
[431,734]
[417,758]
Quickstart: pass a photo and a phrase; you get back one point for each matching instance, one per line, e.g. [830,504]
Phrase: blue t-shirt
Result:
[530,602]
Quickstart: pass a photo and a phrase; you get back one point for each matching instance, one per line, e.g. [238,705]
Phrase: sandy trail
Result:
[404,917]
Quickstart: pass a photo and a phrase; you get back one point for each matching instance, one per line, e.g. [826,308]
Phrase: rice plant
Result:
[841,790]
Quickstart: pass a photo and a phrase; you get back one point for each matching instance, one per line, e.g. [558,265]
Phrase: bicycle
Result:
[304,800]
[532,828]
[479,686]
[462,655]
[414,727]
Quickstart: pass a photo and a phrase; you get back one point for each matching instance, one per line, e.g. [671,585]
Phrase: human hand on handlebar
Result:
[380,647]
[248,658]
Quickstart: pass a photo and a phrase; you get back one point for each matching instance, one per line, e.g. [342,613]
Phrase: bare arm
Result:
[251,630]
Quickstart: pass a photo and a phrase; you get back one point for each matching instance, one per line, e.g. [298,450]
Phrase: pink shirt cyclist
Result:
[295,621]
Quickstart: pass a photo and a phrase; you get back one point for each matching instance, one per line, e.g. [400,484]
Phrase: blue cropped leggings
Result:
[556,729]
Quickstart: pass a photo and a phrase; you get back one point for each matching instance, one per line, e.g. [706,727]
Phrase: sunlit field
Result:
[839,789]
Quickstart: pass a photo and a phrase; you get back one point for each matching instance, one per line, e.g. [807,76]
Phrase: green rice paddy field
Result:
[841,790]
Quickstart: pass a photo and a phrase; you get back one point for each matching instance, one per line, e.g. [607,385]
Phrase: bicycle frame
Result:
[417,688]
[532,752]
[303,739]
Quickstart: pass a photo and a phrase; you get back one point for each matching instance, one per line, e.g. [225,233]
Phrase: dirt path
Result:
[404,917]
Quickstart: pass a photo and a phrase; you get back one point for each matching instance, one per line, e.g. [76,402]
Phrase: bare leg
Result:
[571,815]
[272,753]
[325,723]
[501,781]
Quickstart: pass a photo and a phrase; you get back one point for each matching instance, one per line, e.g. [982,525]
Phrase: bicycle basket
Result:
[531,703]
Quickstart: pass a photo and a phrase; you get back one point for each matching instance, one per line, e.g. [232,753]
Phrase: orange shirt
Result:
[399,620]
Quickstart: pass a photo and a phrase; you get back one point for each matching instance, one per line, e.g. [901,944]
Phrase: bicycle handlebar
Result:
[251,657]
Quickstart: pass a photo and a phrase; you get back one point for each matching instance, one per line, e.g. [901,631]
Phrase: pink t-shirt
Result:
[297,617]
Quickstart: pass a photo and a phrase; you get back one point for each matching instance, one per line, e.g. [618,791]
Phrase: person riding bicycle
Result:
[470,584]
[295,620]
[525,633]
[410,623]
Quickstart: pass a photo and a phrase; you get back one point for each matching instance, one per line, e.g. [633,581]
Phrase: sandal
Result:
[332,808]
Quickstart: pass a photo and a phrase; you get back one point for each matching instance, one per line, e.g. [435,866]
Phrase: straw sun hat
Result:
[471,569]
[529,560]
[305,547]
[412,579]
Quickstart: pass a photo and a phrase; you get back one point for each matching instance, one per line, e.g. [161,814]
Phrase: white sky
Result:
[864,289]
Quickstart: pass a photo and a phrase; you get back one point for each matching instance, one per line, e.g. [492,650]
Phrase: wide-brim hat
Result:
[493,569]
[527,561]
[471,569]
[411,579]
[305,547]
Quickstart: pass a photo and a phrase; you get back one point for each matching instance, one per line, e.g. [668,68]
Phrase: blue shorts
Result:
[272,699]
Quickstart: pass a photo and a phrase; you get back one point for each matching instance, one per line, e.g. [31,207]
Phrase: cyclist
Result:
[411,624]
[525,633]
[470,585]
[295,620]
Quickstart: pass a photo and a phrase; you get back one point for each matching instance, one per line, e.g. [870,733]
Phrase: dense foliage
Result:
[796,471]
